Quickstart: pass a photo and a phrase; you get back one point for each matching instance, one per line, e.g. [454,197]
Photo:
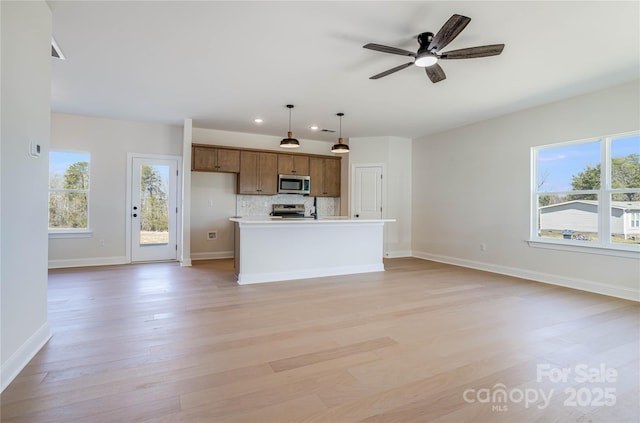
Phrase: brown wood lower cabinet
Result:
[258,173]
[325,177]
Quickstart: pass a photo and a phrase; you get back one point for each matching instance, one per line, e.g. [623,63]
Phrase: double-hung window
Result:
[587,193]
[68,192]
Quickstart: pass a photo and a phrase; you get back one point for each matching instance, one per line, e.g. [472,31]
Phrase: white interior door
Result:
[154,209]
[367,192]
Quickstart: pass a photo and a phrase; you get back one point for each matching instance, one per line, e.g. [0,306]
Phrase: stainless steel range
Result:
[288,210]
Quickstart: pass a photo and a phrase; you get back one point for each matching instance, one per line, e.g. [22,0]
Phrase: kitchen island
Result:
[277,249]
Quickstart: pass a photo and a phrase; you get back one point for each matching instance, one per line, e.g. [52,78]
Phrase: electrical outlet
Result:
[211,235]
[101,242]
[483,247]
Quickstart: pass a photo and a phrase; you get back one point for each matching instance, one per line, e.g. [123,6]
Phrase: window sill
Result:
[70,234]
[617,251]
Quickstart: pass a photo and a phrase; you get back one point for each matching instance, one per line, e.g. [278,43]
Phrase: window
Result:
[68,191]
[635,220]
[588,192]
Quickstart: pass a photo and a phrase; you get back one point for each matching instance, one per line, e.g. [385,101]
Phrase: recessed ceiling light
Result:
[258,120]
[314,127]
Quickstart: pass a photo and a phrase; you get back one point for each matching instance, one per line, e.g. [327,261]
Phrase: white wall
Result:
[213,198]
[108,141]
[213,202]
[395,154]
[471,186]
[26,94]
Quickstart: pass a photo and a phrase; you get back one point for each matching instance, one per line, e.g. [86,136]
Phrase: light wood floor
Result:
[420,342]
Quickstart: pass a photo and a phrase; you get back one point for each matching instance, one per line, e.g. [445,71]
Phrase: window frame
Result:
[70,232]
[603,244]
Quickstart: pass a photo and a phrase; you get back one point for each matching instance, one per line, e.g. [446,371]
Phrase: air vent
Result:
[55,50]
[328,130]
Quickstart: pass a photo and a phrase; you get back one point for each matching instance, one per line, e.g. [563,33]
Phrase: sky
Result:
[59,161]
[557,165]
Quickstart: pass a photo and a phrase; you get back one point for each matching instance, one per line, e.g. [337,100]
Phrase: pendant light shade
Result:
[340,147]
[289,142]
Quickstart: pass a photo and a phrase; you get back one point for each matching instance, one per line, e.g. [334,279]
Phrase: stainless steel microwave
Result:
[294,184]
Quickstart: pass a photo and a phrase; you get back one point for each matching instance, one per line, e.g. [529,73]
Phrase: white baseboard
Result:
[212,255]
[106,261]
[18,360]
[245,278]
[581,284]
[84,262]
[397,254]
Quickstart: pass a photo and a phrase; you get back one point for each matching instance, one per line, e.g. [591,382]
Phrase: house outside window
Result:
[635,220]
[69,191]
[588,192]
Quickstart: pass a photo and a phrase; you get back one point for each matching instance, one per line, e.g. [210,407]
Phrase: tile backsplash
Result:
[262,205]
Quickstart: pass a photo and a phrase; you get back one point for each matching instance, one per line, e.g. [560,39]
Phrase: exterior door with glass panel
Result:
[153,209]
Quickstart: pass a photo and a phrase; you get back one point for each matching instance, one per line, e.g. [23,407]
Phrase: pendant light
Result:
[289,142]
[340,147]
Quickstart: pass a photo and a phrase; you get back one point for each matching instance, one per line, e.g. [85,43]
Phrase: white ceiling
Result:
[225,63]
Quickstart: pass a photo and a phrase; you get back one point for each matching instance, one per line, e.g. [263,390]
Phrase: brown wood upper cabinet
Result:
[325,177]
[292,164]
[258,173]
[213,159]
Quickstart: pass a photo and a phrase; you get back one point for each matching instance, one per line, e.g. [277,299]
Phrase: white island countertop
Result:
[269,249]
[322,219]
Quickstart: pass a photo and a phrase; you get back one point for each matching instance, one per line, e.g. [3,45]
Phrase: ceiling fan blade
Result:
[448,32]
[471,52]
[435,73]
[392,70]
[387,49]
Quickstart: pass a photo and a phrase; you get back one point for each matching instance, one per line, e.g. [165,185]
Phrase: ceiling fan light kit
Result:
[289,142]
[424,57]
[427,56]
[425,60]
[340,147]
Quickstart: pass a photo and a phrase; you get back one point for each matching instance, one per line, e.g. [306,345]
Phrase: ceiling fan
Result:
[428,54]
